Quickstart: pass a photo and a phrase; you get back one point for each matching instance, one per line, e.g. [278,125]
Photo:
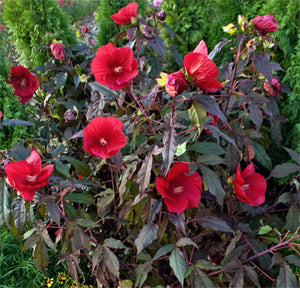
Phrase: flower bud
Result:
[70,115]
[58,50]
[162,15]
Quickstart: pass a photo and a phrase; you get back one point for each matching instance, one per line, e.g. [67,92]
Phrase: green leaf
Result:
[162,251]
[293,259]
[105,202]
[284,169]
[87,223]
[293,218]
[146,236]
[261,155]
[264,260]
[180,149]
[205,265]
[233,242]
[214,223]
[40,255]
[184,241]
[107,92]
[53,211]
[210,159]
[213,184]
[80,198]
[197,116]
[265,230]
[114,243]
[294,155]
[169,149]
[178,264]
[18,152]
[81,167]
[111,262]
[206,148]
[60,79]
[141,272]
[200,279]
[286,277]
[61,168]
[58,150]
[285,198]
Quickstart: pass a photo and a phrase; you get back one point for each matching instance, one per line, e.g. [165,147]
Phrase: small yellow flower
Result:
[49,282]
[230,28]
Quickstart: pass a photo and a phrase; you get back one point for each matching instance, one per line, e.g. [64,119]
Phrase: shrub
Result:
[33,25]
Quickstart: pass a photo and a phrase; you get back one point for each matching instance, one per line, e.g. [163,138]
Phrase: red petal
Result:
[238,176]
[208,84]
[176,172]
[176,206]
[192,193]
[249,171]
[201,48]
[35,162]
[27,194]
[162,186]
[124,15]
[46,173]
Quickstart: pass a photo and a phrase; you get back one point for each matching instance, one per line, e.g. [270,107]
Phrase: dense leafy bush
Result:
[160,179]
[33,25]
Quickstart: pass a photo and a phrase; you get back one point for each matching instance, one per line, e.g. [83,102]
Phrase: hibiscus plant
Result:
[148,177]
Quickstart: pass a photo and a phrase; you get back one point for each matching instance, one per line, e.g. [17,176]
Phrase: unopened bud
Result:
[162,15]
[70,115]
[230,180]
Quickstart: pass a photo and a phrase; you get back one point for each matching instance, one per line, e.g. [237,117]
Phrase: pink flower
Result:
[274,89]
[179,189]
[250,187]
[29,175]
[84,29]
[114,67]
[202,69]
[125,15]
[58,51]
[24,82]
[2,27]
[157,3]
[1,115]
[61,2]
[103,137]
[265,24]
[176,83]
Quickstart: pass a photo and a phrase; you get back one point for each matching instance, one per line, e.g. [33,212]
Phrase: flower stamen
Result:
[178,190]
[103,142]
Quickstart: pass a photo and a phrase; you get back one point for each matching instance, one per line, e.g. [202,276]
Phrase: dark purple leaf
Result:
[78,134]
[14,122]
[146,236]
[210,105]
[53,211]
[157,43]
[169,149]
[19,213]
[178,219]
[284,169]
[40,255]
[215,223]
[275,66]
[60,79]
[238,280]
[131,33]
[178,57]
[263,64]
[256,115]
[295,156]
[286,277]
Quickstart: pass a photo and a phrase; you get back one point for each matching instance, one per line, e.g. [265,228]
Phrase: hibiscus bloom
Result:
[274,89]
[126,14]
[24,82]
[103,137]
[250,187]
[114,67]
[28,175]
[265,24]
[58,51]
[179,189]
[176,83]
[202,69]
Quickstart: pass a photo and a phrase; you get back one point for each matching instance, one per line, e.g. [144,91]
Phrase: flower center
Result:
[178,190]
[31,178]
[118,69]
[245,186]
[102,142]
[23,82]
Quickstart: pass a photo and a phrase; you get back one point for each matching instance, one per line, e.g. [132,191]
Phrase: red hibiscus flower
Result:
[274,89]
[24,82]
[265,24]
[84,29]
[125,15]
[2,28]
[103,137]
[114,67]
[29,175]
[214,122]
[202,69]
[176,83]
[58,51]
[250,187]
[179,189]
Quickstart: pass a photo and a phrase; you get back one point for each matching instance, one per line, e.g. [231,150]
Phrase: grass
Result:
[16,267]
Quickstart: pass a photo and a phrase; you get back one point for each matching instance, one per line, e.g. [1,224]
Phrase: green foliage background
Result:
[33,24]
